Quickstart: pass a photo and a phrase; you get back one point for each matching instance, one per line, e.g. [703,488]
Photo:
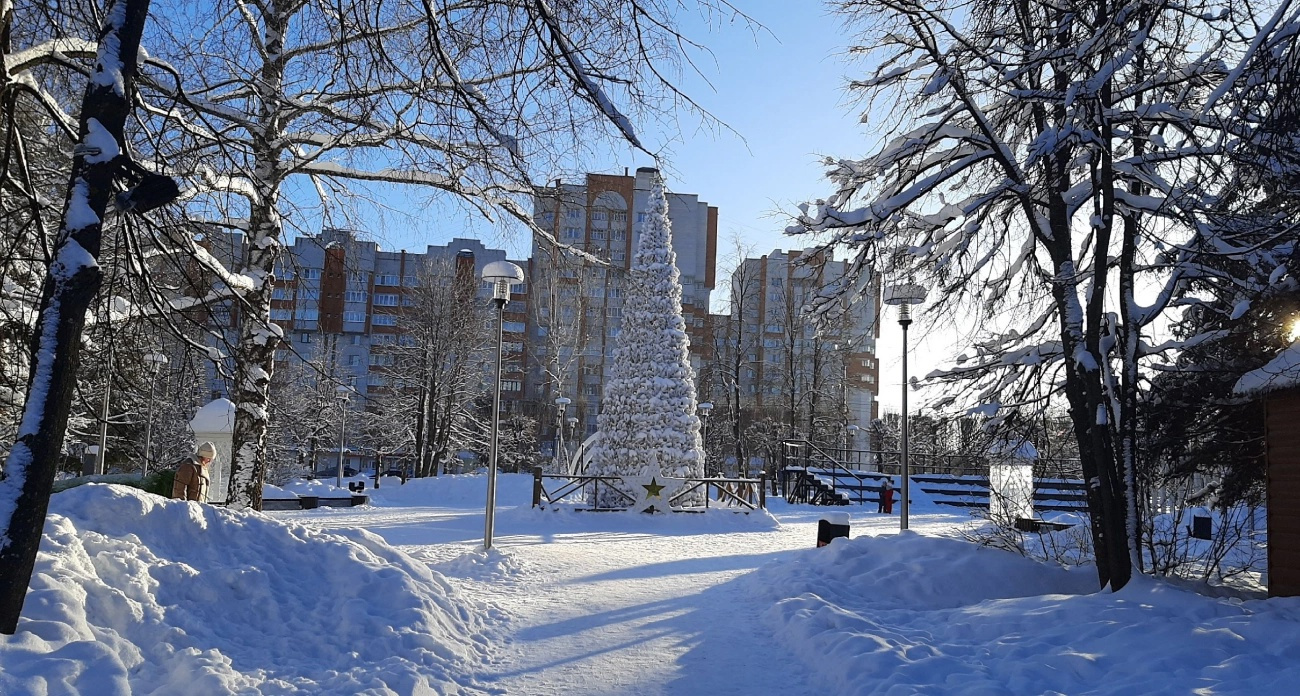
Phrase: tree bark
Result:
[73,279]
[258,338]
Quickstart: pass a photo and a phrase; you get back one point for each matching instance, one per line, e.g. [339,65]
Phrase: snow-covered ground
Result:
[138,595]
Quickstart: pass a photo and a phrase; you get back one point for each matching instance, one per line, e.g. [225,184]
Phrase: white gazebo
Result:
[215,423]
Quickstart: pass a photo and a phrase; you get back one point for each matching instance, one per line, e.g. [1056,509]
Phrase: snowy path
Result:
[614,611]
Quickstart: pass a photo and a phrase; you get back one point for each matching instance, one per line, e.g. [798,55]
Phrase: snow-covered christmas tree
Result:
[648,428]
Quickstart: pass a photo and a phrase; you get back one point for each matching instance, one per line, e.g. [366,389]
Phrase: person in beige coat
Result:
[192,478]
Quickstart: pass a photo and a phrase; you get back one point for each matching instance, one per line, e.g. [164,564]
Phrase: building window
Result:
[386,279]
[304,338]
[307,314]
[618,255]
[308,294]
[619,217]
[512,327]
[354,317]
[354,360]
[599,215]
[385,299]
[354,296]
[311,273]
[598,235]
[572,214]
[357,277]
[410,281]
[384,320]
[573,233]
[511,385]
[381,359]
[279,294]
[281,314]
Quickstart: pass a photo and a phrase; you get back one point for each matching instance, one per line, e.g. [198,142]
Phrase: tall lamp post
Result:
[501,275]
[573,431]
[904,296]
[561,403]
[704,409]
[156,361]
[101,453]
[344,393]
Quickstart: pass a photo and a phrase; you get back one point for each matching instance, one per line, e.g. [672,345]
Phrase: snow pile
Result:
[136,594]
[912,614]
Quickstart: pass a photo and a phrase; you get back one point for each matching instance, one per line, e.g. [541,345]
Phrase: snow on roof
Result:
[215,417]
[1015,449]
[1281,372]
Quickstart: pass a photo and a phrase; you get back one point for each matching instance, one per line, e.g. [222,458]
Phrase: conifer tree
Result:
[648,425]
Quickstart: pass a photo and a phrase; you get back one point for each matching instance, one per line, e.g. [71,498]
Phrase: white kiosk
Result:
[1011,482]
[215,423]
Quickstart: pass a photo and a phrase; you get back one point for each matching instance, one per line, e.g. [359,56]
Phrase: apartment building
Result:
[792,366]
[341,296]
[576,303]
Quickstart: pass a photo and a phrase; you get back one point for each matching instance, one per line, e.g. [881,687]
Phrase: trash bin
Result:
[1201,527]
[832,526]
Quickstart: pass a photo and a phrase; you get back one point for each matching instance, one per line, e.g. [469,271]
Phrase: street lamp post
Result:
[573,432]
[101,454]
[904,296]
[704,410]
[344,393]
[501,275]
[561,403]
[156,361]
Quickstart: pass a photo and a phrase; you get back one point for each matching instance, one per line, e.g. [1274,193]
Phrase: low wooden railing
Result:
[740,494]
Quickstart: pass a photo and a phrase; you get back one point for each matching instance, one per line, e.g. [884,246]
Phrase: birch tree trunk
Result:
[73,279]
[258,337]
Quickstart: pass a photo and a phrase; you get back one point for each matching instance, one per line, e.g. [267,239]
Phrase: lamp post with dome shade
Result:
[156,361]
[561,404]
[501,275]
[903,296]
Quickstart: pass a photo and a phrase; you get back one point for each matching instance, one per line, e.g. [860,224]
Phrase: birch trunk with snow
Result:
[258,337]
[73,279]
